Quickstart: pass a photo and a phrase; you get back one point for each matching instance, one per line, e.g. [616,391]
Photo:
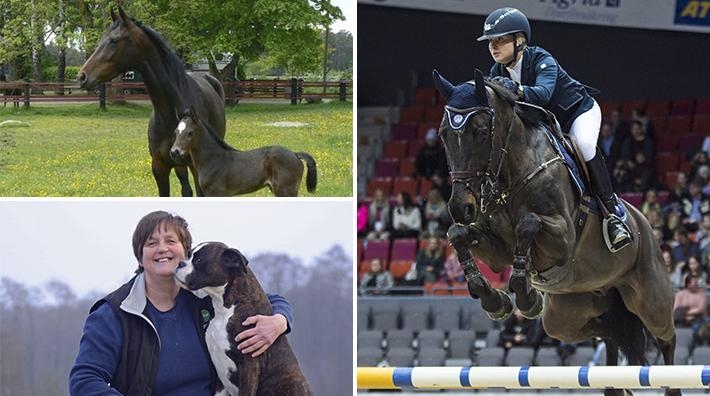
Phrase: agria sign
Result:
[565,4]
[692,12]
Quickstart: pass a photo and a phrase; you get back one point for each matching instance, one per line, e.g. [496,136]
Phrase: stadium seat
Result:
[411,114]
[377,249]
[690,143]
[667,161]
[433,114]
[369,357]
[490,356]
[424,127]
[370,339]
[433,357]
[659,124]
[476,319]
[425,96]
[404,249]
[547,356]
[492,338]
[670,179]
[386,167]
[447,315]
[395,149]
[684,337]
[657,108]
[404,131]
[681,355]
[581,357]
[385,315]
[461,343]
[405,184]
[415,315]
[519,356]
[682,107]
[407,166]
[383,183]
[399,268]
[401,338]
[702,106]
[400,357]
[607,106]
[667,142]
[430,339]
[679,124]
[701,355]
[424,187]
[413,148]
[634,198]
[701,124]
[628,106]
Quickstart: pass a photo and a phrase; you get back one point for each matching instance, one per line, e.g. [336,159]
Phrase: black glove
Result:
[508,84]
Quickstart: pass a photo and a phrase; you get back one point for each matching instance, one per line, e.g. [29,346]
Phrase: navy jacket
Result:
[546,84]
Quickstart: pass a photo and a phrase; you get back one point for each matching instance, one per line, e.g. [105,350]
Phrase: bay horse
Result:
[513,202]
[128,44]
[225,171]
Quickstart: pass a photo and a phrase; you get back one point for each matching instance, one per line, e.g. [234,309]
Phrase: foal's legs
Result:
[181,172]
[528,300]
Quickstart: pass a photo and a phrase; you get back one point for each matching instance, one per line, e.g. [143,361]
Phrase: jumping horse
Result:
[225,171]
[128,44]
[513,202]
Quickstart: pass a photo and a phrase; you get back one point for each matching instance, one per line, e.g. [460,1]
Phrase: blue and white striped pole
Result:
[535,377]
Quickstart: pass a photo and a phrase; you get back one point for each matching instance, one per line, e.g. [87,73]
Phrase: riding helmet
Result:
[504,21]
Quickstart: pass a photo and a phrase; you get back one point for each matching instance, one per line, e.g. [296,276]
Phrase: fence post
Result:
[27,93]
[294,91]
[343,91]
[102,96]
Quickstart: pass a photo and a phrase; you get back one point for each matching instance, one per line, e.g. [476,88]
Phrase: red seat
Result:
[701,124]
[404,249]
[671,179]
[386,167]
[404,131]
[395,149]
[425,96]
[424,187]
[399,268]
[424,128]
[682,107]
[634,198]
[407,184]
[657,108]
[690,142]
[412,114]
[413,148]
[377,249]
[702,106]
[407,167]
[433,114]
[678,125]
[359,250]
[628,106]
[667,142]
[383,183]
[659,124]
[666,161]
[607,106]
[662,196]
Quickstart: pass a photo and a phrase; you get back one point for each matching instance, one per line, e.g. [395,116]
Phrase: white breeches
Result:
[585,130]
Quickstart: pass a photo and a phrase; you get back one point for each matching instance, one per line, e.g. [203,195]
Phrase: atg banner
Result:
[686,15]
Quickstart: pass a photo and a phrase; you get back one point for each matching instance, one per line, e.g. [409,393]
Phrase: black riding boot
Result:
[616,233]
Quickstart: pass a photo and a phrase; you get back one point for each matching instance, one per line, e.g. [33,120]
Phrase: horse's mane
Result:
[529,115]
[173,65]
[207,128]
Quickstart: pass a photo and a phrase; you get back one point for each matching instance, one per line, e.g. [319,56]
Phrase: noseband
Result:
[457,119]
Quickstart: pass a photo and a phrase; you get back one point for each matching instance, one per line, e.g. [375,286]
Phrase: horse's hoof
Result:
[506,308]
[535,311]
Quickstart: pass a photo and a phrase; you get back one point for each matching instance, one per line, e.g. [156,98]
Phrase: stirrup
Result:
[615,247]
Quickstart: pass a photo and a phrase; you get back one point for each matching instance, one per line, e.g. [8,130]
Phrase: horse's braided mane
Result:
[530,116]
[214,135]
[173,64]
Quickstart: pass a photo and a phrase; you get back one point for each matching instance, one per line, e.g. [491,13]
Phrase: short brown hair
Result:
[150,222]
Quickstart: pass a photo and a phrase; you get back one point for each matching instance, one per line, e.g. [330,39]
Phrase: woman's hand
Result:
[259,338]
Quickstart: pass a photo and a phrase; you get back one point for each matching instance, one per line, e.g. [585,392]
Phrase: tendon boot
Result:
[616,233]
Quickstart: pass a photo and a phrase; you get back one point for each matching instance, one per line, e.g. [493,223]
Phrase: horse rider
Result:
[535,77]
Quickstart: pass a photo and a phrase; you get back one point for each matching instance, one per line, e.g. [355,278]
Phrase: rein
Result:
[490,191]
[489,188]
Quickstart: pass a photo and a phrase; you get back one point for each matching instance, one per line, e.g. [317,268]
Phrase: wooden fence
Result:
[297,91]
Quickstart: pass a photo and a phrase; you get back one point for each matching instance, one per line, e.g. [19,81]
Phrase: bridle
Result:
[457,119]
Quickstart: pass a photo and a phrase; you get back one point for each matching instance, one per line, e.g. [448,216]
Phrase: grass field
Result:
[79,151]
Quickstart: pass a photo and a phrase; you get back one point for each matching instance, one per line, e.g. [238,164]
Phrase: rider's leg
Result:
[585,129]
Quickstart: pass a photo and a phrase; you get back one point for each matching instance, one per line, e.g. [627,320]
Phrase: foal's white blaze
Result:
[181,127]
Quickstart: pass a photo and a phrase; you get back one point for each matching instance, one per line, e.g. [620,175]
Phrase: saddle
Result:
[566,147]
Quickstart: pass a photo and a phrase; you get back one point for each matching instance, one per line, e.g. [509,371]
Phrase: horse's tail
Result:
[214,82]
[627,330]
[311,174]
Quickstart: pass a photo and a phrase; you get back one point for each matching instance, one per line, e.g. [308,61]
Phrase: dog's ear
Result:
[234,259]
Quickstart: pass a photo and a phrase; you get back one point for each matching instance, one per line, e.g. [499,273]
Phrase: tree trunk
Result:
[61,69]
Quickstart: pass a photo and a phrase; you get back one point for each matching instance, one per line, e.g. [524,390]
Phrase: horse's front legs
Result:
[161,174]
[527,299]
[496,303]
